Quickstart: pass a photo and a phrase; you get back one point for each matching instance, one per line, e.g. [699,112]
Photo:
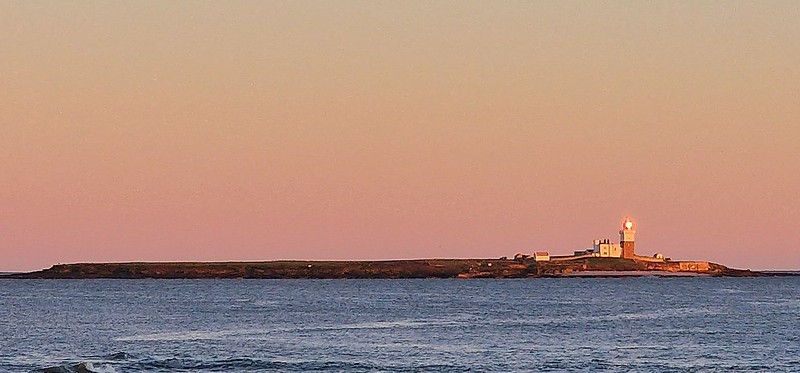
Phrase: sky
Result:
[262,130]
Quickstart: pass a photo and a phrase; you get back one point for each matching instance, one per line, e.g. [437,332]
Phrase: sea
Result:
[644,324]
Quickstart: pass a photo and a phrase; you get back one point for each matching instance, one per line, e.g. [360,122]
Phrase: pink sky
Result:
[151,130]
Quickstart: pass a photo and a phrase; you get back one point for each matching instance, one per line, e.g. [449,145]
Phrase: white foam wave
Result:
[99,368]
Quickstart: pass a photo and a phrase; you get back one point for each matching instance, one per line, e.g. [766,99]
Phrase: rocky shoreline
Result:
[388,269]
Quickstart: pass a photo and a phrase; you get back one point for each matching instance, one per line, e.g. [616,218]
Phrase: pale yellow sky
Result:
[193,130]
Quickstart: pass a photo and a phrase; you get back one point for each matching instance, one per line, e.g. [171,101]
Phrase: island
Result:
[388,269]
[603,259]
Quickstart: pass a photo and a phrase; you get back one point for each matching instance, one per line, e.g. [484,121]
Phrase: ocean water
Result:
[627,324]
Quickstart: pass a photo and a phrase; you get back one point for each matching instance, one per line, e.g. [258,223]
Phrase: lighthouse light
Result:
[628,224]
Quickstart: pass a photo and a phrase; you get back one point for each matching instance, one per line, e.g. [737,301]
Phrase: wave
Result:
[83,367]
[259,334]
[256,365]
[124,362]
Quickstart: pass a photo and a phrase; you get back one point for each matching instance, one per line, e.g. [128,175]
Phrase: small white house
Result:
[541,256]
[606,249]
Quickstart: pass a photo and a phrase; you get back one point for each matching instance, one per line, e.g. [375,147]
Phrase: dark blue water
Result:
[632,324]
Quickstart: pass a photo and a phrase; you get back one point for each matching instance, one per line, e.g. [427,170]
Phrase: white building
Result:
[606,249]
[541,256]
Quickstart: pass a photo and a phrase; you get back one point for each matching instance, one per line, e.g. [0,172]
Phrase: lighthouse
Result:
[626,239]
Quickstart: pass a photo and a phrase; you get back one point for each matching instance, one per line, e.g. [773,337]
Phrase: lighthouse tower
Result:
[626,239]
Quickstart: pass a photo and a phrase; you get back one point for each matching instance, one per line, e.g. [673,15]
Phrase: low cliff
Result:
[609,266]
[424,268]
